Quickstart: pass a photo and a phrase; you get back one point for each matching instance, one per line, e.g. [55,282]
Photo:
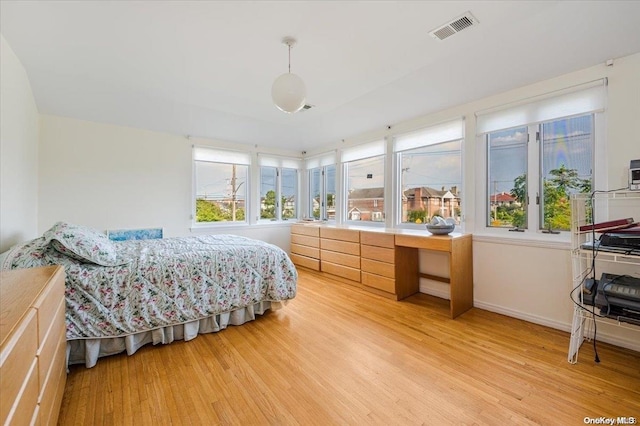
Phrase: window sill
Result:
[551,241]
[206,228]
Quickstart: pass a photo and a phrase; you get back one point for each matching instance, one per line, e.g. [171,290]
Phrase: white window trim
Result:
[446,131]
[600,179]
[357,153]
[279,162]
[216,155]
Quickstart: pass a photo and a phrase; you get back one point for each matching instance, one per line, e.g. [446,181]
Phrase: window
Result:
[534,167]
[429,162]
[278,187]
[278,193]
[322,187]
[221,181]
[507,183]
[364,182]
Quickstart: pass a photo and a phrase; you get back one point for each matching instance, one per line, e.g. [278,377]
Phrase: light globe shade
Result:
[288,93]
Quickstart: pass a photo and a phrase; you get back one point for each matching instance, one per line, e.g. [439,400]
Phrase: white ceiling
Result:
[206,68]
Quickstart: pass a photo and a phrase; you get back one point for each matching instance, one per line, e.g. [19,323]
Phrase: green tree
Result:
[417,216]
[519,190]
[269,210]
[208,212]
[557,191]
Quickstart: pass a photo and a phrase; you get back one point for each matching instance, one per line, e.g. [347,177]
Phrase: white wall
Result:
[18,152]
[114,177]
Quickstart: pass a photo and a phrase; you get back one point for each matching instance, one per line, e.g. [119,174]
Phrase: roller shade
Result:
[269,160]
[444,132]
[583,99]
[367,150]
[215,155]
[321,160]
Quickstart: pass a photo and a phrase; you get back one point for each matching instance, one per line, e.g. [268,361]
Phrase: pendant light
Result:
[288,91]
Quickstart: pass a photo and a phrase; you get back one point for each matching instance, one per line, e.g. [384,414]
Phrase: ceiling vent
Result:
[460,23]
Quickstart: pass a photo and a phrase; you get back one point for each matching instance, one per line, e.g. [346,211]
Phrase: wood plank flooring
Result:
[339,355]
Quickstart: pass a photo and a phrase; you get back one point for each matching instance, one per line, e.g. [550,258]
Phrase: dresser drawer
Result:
[33,348]
[306,262]
[341,271]
[305,251]
[305,240]
[340,246]
[309,230]
[16,359]
[379,268]
[27,401]
[53,387]
[340,259]
[47,304]
[54,335]
[340,234]
[379,282]
[377,239]
[381,254]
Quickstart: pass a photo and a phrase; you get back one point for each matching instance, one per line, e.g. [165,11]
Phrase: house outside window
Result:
[534,167]
[429,165]
[364,182]
[221,185]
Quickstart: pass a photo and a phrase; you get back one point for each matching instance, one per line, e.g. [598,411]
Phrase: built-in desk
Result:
[458,247]
[388,259]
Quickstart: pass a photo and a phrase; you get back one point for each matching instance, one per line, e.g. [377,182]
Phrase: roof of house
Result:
[503,197]
[366,193]
[427,192]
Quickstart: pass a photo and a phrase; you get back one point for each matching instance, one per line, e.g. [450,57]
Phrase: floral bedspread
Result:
[163,282]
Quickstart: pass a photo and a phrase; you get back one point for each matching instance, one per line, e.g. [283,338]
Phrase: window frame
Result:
[362,152]
[208,154]
[321,162]
[324,188]
[435,134]
[596,106]
[278,194]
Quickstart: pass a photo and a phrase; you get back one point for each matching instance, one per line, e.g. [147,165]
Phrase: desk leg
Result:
[461,273]
[407,267]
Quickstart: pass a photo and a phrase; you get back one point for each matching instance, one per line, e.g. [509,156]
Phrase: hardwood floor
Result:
[339,355]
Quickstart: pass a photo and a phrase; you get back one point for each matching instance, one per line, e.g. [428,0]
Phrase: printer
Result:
[618,297]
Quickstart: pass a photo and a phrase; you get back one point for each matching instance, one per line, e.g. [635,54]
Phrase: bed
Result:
[123,295]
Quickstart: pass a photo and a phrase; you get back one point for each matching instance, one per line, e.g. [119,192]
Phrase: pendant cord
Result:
[289,58]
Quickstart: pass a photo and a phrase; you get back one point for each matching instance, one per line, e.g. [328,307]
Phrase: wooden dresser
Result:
[33,369]
[305,246]
[340,252]
[385,261]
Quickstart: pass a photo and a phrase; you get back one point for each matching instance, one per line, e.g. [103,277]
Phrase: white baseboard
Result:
[602,336]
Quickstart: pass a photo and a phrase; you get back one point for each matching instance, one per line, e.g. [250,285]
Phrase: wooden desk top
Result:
[415,238]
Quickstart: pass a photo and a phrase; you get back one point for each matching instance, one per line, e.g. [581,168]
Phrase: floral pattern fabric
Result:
[83,244]
[163,282]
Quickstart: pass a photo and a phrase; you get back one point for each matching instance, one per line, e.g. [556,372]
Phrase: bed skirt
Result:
[88,351]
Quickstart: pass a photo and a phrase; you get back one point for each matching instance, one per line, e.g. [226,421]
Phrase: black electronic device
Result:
[619,294]
[634,175]
[615,239]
